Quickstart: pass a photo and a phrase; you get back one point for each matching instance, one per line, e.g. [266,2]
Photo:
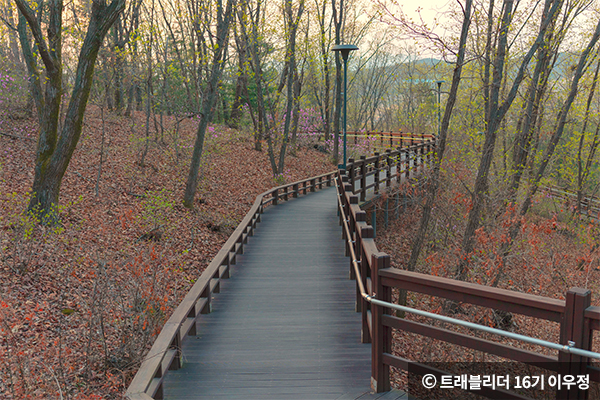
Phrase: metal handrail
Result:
[569,348]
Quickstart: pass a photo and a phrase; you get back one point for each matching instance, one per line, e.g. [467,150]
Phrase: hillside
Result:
[81,303]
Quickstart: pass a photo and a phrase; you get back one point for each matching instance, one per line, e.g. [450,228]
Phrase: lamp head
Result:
[345,49]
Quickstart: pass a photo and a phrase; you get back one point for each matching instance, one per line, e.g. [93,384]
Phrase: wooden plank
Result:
[288,300]
[593,313]
[469,341]
[520,303]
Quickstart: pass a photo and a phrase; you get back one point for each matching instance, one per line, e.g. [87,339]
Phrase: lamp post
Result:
[439,90]
[344,49]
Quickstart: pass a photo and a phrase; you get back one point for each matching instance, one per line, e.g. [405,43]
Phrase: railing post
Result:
[275,196]
[388,169]
[399,166]
[374,221]
[422,160]
[360,216]
[351,169]
[407,161]
[285,193]
[376,177]
[363,178]
[176,345]
[382,335]
[208,296]
[295,190]
[366,232]
[574,332]
[351,228]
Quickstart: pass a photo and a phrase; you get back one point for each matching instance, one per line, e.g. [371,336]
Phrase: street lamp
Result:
[439,85]
[344,49]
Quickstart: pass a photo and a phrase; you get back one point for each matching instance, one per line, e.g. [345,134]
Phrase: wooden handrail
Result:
[410,158]
[577,318]
[165,353]
[590,205]
[390,140]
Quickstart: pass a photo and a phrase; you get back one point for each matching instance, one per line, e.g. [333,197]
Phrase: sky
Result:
[430,12]
[430,9]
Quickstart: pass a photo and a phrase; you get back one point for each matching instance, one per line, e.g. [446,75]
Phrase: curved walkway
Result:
[284,326]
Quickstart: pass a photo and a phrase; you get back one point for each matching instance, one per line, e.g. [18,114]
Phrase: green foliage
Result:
[13,94]
[27,240]
[567,165]
[156,208]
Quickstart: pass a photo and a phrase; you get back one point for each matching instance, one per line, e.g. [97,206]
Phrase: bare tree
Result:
[209,97]
[433,184]
[54,150]
[497,112]
[558,130]
[292,74]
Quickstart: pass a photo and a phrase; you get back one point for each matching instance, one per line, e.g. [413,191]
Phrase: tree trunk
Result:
[14,55]
[241,83]
[292,73]
[558,131]
[583,171]
[208,101]
[54,152]
[440,149]
[496,115]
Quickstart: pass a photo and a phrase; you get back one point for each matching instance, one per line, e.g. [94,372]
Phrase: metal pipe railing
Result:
[569,348]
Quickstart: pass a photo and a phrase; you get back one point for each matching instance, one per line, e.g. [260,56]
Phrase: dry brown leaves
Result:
[79,306]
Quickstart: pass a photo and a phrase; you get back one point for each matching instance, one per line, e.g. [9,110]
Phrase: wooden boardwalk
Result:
[284,326]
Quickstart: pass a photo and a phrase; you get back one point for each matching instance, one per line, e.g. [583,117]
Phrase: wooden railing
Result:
[590,205]
[578,320]
[389,140]
[165,353]
[407,161]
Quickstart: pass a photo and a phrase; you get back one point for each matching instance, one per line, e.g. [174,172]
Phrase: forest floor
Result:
[553,253]
[80,303]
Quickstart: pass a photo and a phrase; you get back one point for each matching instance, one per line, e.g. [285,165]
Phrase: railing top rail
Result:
[593,314]
[407,135]
[477,294]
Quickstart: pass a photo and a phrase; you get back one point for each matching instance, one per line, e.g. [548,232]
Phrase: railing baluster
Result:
[407,163]
[376,177]
[382,335]
[388,169]
[363,178]
[351,169]
[573,332]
